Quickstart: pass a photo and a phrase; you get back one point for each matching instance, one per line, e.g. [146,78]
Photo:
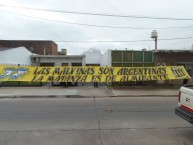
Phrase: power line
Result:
[125,41]
[104,14]
[180,38]
[45,25]
[112,6]
[101,41]
[100,26]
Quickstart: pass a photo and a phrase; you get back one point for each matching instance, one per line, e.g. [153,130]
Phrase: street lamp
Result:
[154,37]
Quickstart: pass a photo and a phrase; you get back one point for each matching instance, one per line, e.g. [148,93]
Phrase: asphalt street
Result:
[93,121]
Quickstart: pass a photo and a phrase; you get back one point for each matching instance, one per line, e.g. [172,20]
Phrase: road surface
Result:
[93,121]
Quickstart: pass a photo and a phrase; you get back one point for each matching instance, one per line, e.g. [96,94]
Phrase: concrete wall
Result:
[93,56]
[16,56]
[106,58]
[58,60]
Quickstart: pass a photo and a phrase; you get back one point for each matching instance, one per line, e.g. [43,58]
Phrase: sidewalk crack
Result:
[97,115]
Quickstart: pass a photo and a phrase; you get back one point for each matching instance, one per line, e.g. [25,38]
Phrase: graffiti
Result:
[178,72]
[13,73]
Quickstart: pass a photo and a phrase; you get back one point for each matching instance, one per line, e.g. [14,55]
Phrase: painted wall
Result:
[59,60]
[92,56]
[106,58]
[19,55]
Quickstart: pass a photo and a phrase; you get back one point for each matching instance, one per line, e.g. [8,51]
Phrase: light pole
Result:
[154,37]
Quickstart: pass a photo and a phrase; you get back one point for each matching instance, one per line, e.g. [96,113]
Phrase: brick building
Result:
[41,47]
[175,58]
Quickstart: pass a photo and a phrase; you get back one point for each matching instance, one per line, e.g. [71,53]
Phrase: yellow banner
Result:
[91,74]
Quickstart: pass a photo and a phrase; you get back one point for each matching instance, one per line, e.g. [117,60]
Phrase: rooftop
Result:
[173,51]
[57,56]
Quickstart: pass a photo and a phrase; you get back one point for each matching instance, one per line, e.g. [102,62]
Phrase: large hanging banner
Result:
[91,74]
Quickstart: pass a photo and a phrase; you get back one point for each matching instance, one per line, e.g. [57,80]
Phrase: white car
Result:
[185,103]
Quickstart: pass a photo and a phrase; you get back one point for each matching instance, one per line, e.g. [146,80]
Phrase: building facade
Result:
[127,58]
[111,58]
[92,58]
[57,60]
[35,46]
[15,56]
[174,58]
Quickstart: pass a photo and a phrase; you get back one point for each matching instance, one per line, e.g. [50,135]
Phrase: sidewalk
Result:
[87,91]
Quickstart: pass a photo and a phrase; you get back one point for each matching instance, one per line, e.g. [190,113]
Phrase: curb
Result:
[79,96]
[144,96]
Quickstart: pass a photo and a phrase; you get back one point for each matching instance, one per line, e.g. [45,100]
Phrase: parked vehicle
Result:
[185,103]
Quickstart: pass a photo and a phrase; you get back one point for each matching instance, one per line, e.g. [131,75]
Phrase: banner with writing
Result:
[91,74]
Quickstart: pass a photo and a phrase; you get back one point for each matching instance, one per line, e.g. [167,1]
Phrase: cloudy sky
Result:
[79,25]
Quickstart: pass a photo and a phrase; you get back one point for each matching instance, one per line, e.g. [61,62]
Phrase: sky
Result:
[79,25]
